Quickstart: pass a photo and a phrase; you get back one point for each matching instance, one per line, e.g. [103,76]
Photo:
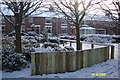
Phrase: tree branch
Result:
[7,19]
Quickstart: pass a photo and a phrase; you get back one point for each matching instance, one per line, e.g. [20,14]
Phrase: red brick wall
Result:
[27,24]
[109,26]
[54,26]
[73,30]
[39,21]
[59,26]
[68,28]
[42,23]
[8,26]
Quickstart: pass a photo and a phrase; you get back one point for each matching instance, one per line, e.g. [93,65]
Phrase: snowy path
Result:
[109,67]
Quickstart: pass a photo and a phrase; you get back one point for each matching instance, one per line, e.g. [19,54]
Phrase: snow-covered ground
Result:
[110,68]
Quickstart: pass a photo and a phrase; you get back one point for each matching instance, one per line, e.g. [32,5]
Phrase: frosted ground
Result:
[109,67]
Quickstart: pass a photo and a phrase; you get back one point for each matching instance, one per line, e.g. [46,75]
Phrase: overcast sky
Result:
[93,9]
[96,8]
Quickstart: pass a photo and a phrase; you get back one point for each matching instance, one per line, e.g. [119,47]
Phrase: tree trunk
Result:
[78,44]
[118,23]
[78,38]
[18,39]
[18,33]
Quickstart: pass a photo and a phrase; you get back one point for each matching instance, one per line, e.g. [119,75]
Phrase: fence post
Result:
[112,52]
[92,46]
[80,46]
[63,42]
[70,43]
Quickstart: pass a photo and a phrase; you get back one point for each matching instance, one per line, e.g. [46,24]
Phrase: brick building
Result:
[54,24]
[109,26]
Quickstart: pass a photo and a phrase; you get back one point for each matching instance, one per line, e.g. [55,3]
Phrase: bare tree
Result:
[112,10]
[75,10]
[20,10]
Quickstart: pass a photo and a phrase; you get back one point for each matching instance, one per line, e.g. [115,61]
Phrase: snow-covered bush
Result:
[116,39]
[24,41]
[28,42]
[48,44]
[69,48]
[48,49]
[12,61]
[8,40]
[54,41]
[28,49]
[32,33]
[32,41]
[68,37]
[54,46]
[38,38]
[98,38]
[8,47]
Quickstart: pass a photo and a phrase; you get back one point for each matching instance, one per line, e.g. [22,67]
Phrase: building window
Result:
[49,29]
[23,28]
[32,28]
[48,20]
[23,21]
[63,21]
[31,19]
[82,31]
[64,30]
[38,30]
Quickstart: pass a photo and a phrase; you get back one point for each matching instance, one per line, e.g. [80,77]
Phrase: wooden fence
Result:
[59,62]
[111,47]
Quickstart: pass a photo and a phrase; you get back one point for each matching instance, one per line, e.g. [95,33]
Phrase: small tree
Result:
[20,10]
[45,34]
[74,10]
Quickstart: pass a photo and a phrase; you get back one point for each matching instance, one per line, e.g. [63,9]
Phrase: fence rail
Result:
[58,62]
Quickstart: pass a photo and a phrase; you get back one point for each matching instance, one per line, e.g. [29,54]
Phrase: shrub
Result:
[54,46]
[12,61]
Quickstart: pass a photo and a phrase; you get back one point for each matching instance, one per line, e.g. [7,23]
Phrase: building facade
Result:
[54,26]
